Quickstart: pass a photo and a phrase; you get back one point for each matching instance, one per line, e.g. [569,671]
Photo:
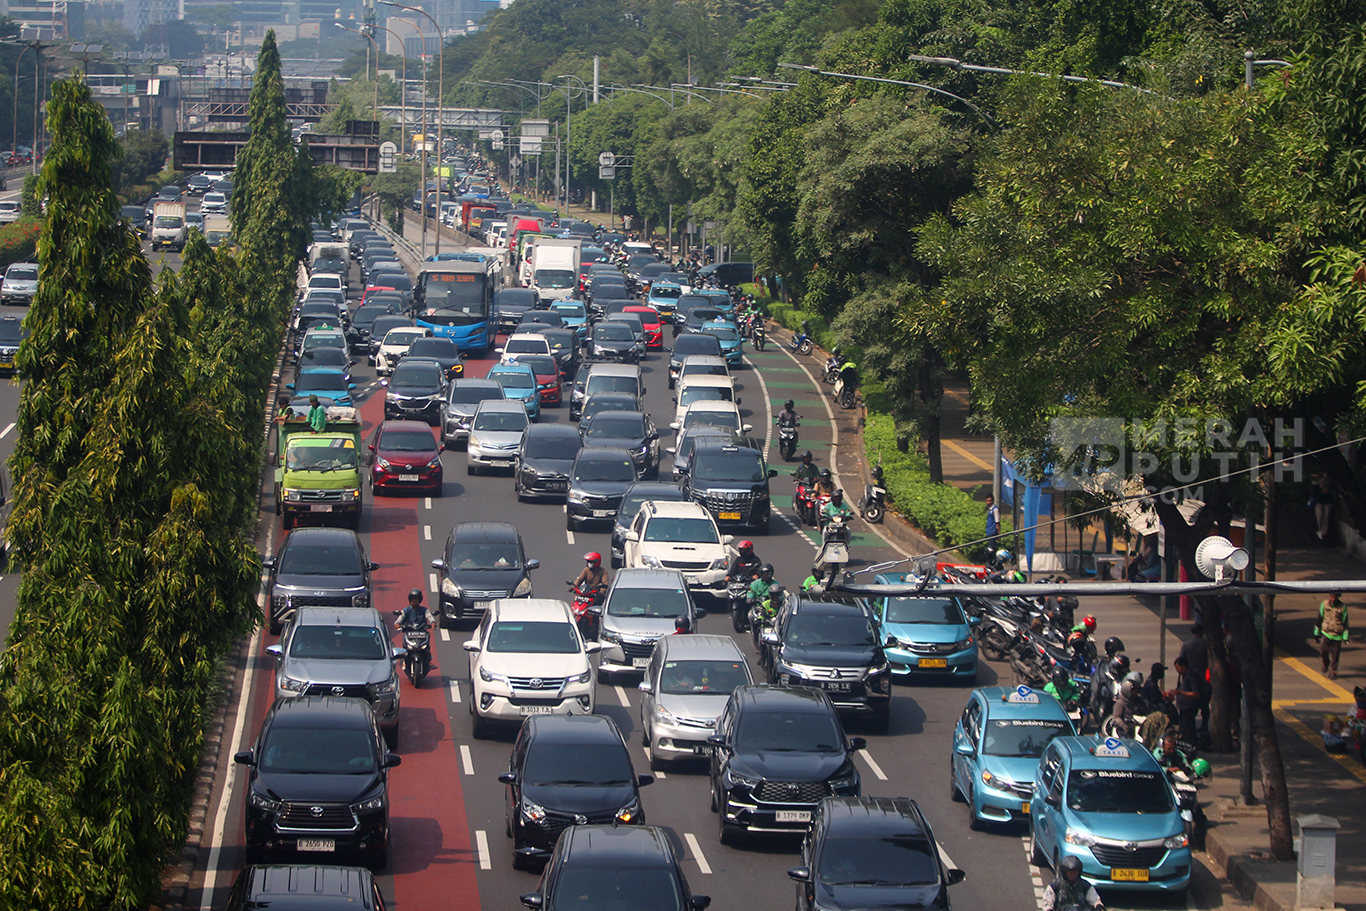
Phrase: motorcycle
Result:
[761,628]
[586,608]
[801,343]
[804,500]
[757,334]
[846,385]
[418,643]
[832,368]
[872,505]
[737,593]
[787,440]
[834,552]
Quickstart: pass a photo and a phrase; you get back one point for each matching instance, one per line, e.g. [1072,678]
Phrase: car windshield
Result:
[473,395]
[331,455]
[541,637]
[587,764]
[440,348]
[788,732]
[666,293]
[525,346]
[620,427]
[367,315]
[923,610]
[557,341]
[600,469]
[318,751]
[407,441]
[484,555]
[728,419]
[556,278]
[23,274]
[402,338]
[11,330]
[888,860]
[727,465]
[688,678]
[556,447]
[542,364]
[1021,736]
[599,404]
[570,311]
[631,503]
[501,421]
[695,343]
[617,889]
[1118,791]
[681,530]
[647,602]
[419,375]
[703,369]
[725,333]
[808,628]
[323,381]
[697,393]
[169,221]
[332,559]
[515,379]
[608,382]
[614,331]
[342,643]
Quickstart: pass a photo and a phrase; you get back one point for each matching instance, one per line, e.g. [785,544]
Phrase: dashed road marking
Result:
[466,759]
[431,581]
[455,691]
[697,854]
[872,764]
[427,532]
[621,696]
[569,535]
[445,635]
[1035,878]
[427,503]
[481,843]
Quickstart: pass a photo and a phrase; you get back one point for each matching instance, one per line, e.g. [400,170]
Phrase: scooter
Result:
[846,385]
[585,617]
[872,505]
[418,661]
[787,440]
[737,593]
[801,343]
[805,502]
[832,368]
[834,552]
[757,334]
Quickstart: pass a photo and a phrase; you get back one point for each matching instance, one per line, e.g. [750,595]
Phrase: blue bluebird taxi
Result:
[1108,803]
[731,343]
[934,637]
[519,384]
[997,744]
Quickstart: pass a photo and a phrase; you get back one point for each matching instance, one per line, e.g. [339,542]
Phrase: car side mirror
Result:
[645,686]
[438,564]
[245,757]
[700,902]
[857,743]
[471,645]
[669,449]
[737,400]
[699,612]
[799,874]
[372,566]
[268,563]
[963,749]
[770,638]
[289,385]
[498,351]
[392,759]
[372,447]
[384,382]
[508,778]
[643,780]
[533,900]
[773,472]
[631,535]
[275,650]
[674,425]
[956,876]
[717,740]
[974,621]
[592,648]
[746,428]
[533,564]
[1053,800]
[728,539]
[675,399]
[350,386]
[397,652]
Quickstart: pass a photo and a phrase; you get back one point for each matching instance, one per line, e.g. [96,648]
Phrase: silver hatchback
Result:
[340,651]
[686,687]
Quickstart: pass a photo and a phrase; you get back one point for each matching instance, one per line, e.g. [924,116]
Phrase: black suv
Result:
[568,770]
[482,562]
[317,567]
[12,332]
[544,461]
[417,390]
[610,867]
[509,305]
[864,852]
[319,782]
[318,888]
[597,482]
[775,753]
[834,645]
[732,483]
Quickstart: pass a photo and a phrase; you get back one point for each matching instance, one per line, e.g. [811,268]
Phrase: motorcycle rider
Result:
[762,587]
[746,562]
[1063,688]
[1080,637]
[1123,712]
[592,579]
[836,507]
[825,483]
[788,416]
[1104,683]
[414,616]
[1069,890]
[1177,763]
[815,581]
[806,470]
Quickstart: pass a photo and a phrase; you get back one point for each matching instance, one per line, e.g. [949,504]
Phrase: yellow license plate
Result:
[731,516]
[934,662]
[1120,875]
[1024,808]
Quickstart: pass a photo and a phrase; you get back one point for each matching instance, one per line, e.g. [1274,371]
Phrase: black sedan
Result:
[442,350]
[615,342]
[611,866]
[597,482]
[544,461]
[632,431]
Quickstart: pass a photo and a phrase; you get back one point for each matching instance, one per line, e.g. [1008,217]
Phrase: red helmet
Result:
[745,545]
[593,557]
[1089,622]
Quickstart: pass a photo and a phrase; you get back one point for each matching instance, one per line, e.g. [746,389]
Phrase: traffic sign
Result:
[607,159]
[388,154]
[607,173]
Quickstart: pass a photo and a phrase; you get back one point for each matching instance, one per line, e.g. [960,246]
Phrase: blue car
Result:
[664,297]
[574,316]
[934,637]
[324,382]
[519,384]
[721,300]
[1108,803]
[996,748]
[732,345]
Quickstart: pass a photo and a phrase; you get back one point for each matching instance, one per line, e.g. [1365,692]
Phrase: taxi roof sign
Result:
[1022,695]
[1111,748]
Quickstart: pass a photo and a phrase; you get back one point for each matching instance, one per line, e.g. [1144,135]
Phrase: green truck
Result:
[317,474]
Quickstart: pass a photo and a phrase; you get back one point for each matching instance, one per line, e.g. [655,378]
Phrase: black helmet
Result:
[415,595]
[1113,646]
[825,474]
[789,405]
[837,496]
[806,455]
[877,474]
[1060,676]
[1119,667]
[766,569]
[1069,864]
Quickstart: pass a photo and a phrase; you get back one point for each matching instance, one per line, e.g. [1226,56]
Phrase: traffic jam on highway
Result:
[539,599]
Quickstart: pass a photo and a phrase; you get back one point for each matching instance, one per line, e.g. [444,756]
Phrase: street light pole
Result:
[440,105]
[584,89]
[918,85]
[15,145]
[371,38]
[403,94]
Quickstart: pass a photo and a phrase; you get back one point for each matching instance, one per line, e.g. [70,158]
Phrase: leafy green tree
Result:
[143,154]
[181,39]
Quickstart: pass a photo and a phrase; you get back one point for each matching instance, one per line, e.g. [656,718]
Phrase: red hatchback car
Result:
[405,456]
[547,376]
[653,324]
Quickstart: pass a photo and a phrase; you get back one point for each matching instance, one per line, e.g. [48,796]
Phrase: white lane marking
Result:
[944,856]
[570,535]
[872,764]
[481,842]
[1035,878]
[445,635]
[427,532]
[466,759]
[8,427]
[455,691]
[768,406]
[621,695]
[696,849]
[431,581]
[427,503]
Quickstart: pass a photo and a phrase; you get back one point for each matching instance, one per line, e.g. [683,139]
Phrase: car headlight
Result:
[630,812]
[449,588]
[360,600]
[1078,837]
[384,687]
[650,561]
[435,463]
[529,471]
[962,644]
[368,806]
[644,448]
[585,677]
[292,684]
[847,780]
[293,496]
[262,802]
[278,602]
[732,780]
[350,496]
[993,781]
[1176,841]
[485,676]
[880,667]
[720,563]
[532,811]
[608,635]
[575,497]
[523,589]
[664,716]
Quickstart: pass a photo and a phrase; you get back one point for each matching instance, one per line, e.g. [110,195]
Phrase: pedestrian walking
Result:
[1331,632]
[1321,502]
[1187,698]
[993,521]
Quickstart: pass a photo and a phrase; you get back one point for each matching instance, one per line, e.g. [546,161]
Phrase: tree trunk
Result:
[933,449]
[1222,710]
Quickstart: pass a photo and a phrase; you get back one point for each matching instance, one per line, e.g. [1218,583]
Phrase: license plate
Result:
[321,844]
[407,477]
[602,513]
[832,686]
[732,516]
[934,662]
[640,662]
[792,816]
[6,364]
[480,605]
[556,485]
[537,709]
[324,507]
[1121,875]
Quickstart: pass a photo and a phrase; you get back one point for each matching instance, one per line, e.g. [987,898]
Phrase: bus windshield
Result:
[455,298]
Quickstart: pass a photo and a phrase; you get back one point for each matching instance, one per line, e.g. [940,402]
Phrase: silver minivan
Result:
[495,434]
[642,605]
[687,684]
